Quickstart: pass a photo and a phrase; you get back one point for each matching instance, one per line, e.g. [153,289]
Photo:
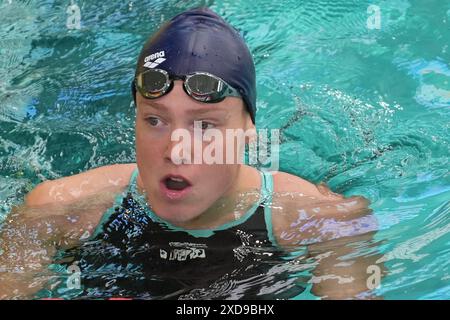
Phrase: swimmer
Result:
[195,72]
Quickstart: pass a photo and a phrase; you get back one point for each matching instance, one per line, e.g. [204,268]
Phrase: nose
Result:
[178,147]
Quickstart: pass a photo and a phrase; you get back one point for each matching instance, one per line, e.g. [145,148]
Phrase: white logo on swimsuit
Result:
[183,251]
[159,56]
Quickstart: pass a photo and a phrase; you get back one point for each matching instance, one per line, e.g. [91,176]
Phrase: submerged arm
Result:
[338,275]
[27,247]
[32,234]
[336,231]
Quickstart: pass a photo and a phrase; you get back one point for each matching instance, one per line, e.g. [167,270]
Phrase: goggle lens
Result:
[151,84]
[201,86]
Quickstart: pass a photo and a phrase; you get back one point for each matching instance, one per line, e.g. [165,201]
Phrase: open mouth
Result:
[175,187]
[176,183]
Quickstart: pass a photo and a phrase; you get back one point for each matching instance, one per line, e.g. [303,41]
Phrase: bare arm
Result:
[337,275]
[343,271]
[334,228]
[56,214]
[27,247]
[31,236]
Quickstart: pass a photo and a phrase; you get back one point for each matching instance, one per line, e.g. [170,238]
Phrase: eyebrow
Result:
[156,105]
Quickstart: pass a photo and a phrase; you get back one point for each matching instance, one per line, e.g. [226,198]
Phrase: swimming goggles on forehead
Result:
[201,86]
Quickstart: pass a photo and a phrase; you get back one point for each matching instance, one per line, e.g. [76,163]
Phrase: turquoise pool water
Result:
[366,110]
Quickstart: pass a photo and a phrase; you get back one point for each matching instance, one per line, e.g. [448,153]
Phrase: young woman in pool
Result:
[192,222]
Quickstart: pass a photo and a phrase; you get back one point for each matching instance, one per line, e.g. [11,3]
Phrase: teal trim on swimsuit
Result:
[267,208]
[265,196]
[107,214]
[117,203]
[132,184]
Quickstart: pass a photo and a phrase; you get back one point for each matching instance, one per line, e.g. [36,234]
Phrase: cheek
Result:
[218,178]
[146,145]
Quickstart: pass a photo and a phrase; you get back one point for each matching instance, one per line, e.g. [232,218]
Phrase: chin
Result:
[179,214]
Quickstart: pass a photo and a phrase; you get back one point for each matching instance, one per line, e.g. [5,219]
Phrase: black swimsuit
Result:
[134,253]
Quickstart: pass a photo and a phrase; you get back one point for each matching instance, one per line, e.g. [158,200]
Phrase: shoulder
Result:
[76,187]
[300,208]
[293,192]
[293,185]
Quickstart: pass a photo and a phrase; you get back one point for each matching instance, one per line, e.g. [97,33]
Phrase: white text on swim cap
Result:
[159,56]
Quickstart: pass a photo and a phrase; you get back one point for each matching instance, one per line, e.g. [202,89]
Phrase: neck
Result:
[242,194]
[239,198]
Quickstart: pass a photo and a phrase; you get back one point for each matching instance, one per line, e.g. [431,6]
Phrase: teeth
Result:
[177,179]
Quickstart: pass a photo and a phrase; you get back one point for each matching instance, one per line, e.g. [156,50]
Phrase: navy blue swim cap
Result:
[200,40]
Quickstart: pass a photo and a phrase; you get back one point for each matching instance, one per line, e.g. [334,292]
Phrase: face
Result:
[156,119]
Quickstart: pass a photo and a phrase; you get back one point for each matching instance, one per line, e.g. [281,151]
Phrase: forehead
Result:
[170,103]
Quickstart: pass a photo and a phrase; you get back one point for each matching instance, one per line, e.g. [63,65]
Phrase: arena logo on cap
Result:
[159,56]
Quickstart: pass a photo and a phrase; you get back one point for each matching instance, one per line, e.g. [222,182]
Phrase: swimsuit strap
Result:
[267,193]
[266,187]
[132,185]
[117,203]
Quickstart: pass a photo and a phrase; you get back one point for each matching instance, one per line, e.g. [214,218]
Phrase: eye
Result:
[153,121]
[204,125]
[207,125]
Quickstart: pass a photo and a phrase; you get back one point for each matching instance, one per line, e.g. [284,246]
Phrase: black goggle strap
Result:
[133,90]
